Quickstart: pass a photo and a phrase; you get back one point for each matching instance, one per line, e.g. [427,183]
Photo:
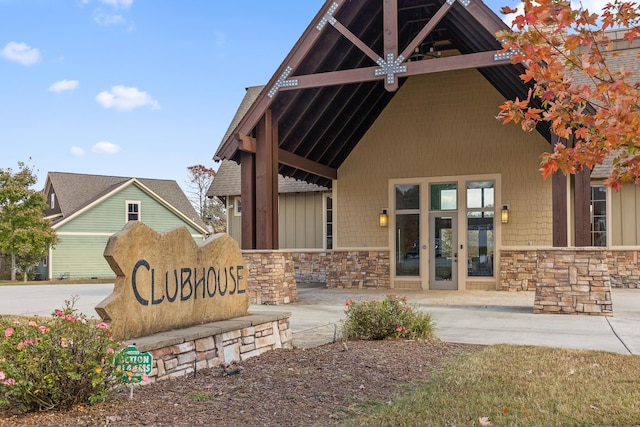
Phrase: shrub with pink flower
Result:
[391,317]
[55,363]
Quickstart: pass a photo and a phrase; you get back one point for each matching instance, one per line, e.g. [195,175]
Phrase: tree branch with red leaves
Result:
[594,106]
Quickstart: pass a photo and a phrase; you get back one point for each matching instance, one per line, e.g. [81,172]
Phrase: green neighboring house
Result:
[85,210]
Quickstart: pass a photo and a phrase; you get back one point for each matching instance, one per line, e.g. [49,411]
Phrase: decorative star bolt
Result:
[390,67]
[328,17]
[283,82]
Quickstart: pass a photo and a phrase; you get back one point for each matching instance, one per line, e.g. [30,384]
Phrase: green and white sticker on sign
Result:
[133,366]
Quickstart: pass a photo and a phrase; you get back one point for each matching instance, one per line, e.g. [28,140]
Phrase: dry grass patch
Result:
[508,385]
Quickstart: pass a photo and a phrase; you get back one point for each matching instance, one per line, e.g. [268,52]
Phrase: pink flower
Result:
[8,332]
[32,323]
[2,376]
[348,303]
[58,312]
[24,343]
[43,329]
[102,325]
[110,351]
[145,377]
[63,343]
[399,329]
[9,381]
[69,317]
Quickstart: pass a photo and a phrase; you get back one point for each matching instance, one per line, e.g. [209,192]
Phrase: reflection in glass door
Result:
[443,254]
[407,230]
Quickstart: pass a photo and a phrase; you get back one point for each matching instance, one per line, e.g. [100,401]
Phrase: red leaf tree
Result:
[594,106]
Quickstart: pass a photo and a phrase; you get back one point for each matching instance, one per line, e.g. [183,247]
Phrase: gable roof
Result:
[323,123]
[227,182]
[75,192]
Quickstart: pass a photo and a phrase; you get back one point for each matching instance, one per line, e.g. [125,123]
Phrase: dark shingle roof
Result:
[248,100]
[76,191]
[227,182]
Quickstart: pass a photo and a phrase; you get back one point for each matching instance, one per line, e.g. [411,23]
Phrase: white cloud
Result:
[21,53]
[76,151]
[63,85]
[118,4]
[105,147]
[124,98]
[108,19]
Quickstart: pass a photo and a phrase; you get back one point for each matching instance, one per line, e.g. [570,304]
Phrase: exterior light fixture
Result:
[383,218]
[504,214]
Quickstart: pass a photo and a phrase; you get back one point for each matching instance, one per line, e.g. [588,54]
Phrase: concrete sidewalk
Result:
[475,317]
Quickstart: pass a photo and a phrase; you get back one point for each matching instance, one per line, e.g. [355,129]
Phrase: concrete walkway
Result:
[475,317]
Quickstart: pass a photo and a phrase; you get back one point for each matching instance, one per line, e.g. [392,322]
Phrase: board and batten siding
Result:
[625,216]
[300,221]
[84,238]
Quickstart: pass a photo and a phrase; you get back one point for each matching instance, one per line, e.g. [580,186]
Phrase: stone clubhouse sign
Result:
[167,281]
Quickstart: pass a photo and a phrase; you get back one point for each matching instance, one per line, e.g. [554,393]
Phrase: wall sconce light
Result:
[383,218]
[504,214]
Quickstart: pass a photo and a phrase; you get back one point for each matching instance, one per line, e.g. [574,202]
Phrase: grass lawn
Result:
[58,281]
[506,385]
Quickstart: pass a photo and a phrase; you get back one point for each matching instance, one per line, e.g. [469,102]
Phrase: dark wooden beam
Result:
[299,162]
[426,30]
[297,54]
[581,204]
[247,143]
[559,203]
[390,36]
[356,41]
[437,65]
[248,198]
[266,183]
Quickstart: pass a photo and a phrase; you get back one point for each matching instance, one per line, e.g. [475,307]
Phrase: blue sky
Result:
[138,88]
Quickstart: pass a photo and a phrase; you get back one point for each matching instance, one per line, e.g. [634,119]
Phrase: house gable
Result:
[109,215]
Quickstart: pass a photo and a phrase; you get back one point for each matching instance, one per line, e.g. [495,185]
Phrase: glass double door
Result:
[426,235]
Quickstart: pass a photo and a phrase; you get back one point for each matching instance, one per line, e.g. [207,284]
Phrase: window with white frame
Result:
[237,206]
[328,222]
[598,214]
[53,200]
[480,228]
[133,211]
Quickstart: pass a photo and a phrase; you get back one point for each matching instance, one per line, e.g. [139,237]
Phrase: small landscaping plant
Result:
[55,363]
[390,318]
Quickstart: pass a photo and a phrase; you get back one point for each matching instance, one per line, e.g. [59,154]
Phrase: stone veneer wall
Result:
[182,352]
[519,267]
[573,281]
[311,266]
[273,276]
[624,268]
[359,269]
[271,279]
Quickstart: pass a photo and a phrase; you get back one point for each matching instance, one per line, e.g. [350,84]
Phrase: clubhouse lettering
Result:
[186,283]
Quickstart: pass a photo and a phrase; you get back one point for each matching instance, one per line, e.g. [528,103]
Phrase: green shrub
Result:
[55,363]
[391,317]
